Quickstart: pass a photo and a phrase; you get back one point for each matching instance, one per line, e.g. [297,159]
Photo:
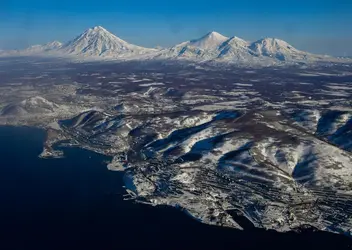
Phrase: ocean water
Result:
[76,203]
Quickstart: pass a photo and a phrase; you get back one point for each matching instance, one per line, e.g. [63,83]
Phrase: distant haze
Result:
[323,27]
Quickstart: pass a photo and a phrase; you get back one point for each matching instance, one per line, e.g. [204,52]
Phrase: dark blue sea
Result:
[76,203]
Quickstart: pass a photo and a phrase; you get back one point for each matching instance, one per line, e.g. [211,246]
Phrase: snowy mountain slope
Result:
[234,48]
[98,41]
[332,125]
[281,50]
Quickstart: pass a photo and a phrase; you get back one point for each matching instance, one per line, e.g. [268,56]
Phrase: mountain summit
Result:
[204,48]
[278,49]
[212,40]
[97,41]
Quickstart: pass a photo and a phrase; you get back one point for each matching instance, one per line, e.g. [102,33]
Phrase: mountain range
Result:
[98,43]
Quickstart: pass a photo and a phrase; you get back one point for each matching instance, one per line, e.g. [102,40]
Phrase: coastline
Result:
[161,209]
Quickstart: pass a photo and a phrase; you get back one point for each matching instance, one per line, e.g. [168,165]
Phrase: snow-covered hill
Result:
[30,106]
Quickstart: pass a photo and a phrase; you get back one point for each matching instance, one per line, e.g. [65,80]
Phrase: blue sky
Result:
[323,26]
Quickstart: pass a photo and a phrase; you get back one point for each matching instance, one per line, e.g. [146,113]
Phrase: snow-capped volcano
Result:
[210,41]
[276,48]
[204,48]
[98,41]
